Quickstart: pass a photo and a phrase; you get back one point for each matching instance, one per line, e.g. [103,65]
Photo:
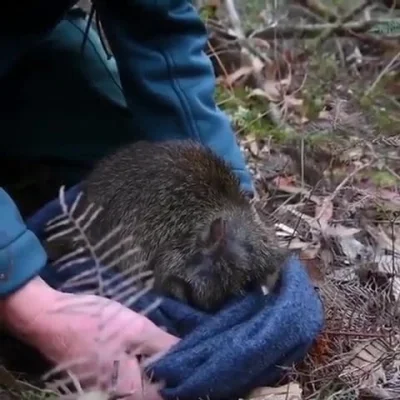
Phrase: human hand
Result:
[92,333]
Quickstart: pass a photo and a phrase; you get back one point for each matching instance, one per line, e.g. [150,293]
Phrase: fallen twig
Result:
[330,198]
[382,74]
[340,23]
[314,30]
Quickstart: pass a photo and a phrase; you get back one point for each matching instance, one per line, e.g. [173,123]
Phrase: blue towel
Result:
[223,356]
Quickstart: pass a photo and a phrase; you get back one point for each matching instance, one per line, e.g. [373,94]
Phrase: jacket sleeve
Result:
[21,255]
[167,78]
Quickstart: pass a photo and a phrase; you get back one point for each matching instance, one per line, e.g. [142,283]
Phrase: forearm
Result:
[167,78]
[19,310]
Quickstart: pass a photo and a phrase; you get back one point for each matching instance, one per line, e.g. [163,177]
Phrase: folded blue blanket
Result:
[222,356]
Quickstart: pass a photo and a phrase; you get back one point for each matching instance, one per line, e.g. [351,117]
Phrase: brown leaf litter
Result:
[319,190]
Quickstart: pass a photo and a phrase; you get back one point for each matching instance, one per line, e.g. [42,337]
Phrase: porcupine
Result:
[183,205]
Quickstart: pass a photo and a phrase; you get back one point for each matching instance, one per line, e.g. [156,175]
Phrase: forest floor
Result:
[316,107]
[313,91]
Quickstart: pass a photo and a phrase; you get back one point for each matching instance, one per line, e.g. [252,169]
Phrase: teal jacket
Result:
[21,254]
[167,79]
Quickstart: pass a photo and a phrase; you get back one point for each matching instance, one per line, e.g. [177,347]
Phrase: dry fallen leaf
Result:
[386,242]
[254,148]
[236,75]
[283,182]
[290,391]
[284,230]
[293,103]
[295,243]
[341,231]
[390,265]
[387,263]
[324,213]
[286,184]
[324,114]
[380,393]
[314,270]
[351,248]
[310,252]
[261,43]
[272,90]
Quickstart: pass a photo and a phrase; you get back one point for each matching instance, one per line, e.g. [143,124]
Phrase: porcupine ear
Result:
[216,234]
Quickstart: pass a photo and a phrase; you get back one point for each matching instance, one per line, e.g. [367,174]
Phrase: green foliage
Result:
[319,139]
[249,115]
[313,101]
[387,28]
[207,12]
[325,67]
[384,179]
[383,117]
[249,11]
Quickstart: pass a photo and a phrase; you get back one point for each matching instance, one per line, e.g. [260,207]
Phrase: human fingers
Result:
[125,377]
[136,333]
[146,338]
[118,326]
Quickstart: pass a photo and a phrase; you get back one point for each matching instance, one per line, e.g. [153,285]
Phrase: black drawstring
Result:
[93,14]
[101,36]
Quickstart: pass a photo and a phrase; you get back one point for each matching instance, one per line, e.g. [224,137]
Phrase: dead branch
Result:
[320,9]
[257,62]
[314,30]
[343,20]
